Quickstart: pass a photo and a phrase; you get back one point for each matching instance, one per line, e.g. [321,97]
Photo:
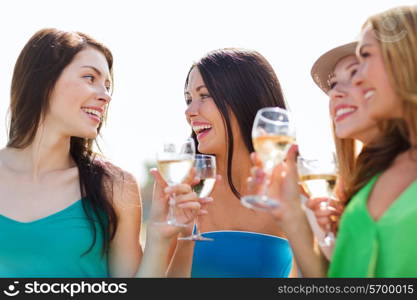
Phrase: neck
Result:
[47,153]
[241,166]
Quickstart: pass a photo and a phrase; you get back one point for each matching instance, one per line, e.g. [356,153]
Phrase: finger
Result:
[323,213]
[206,200]
[195,181]
[158,178]
[178,189]
[257,162]
[202,212]
[190,176]
[194,205]
[192,196]
[323,221]
[255,183]
[291,161]
[314,203]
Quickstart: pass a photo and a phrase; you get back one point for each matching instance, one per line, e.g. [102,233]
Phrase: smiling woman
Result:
[223,91]
[65,211]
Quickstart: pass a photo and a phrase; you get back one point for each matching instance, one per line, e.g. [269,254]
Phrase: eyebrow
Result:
[200,87]
[95,70]
[352,64]
[197,89]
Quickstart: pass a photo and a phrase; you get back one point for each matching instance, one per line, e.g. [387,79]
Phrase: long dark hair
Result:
[36,72]
[241,82]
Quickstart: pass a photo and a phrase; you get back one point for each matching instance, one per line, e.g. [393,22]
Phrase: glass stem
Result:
[265,184]
[197,230]
[171,209]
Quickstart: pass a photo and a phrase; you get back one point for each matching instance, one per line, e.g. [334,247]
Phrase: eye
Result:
[353,72]
[188,101]
[364,54]
[332,84]
[90,77]
[204,96]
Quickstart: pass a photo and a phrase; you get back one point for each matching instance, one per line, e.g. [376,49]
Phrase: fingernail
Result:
[208,199]
[168,190]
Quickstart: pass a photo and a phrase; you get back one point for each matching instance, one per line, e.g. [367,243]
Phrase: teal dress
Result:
[383,248]
[53,246]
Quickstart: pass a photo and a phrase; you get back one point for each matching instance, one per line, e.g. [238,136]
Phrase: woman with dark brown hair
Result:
[223,92]
[65,211]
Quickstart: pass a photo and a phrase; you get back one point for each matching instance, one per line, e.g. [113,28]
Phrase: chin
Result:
[91,134]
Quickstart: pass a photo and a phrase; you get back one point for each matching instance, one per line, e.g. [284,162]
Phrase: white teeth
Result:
[345,110]
[199,128]
[92,111]
[369,94]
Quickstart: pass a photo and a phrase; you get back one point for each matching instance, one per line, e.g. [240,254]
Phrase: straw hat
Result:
[325,64]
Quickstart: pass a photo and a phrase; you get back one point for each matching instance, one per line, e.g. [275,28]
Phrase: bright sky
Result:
[155,42]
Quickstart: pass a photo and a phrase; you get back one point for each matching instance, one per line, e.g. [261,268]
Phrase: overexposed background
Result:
[155,42]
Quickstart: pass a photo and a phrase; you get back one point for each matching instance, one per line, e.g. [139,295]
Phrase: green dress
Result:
[383,248]
[53,246]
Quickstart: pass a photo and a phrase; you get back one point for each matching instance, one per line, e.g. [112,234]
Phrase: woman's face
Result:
[372,78]
[80,96]
[347,105]
[204,116]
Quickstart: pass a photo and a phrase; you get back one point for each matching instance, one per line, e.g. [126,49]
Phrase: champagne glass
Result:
[175,160]
[318,178]
[272,136]
[205,166]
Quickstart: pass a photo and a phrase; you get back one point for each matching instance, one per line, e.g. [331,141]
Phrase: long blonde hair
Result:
[396,33]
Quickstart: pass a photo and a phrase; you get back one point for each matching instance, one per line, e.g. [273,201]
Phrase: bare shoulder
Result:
[120,185]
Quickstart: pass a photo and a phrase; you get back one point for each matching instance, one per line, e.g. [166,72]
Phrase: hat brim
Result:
[325,64]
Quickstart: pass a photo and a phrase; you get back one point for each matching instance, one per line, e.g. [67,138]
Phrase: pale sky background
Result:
[155,42]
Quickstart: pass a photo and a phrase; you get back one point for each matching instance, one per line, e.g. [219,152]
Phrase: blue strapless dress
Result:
[239,254]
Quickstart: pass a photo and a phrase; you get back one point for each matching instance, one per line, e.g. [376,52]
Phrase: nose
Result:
[338,92]
[357,78]
[104,96]
[192,110]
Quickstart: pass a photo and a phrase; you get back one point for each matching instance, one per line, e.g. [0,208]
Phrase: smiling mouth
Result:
[342,113]
[93,114]
[201,129]
[369,94]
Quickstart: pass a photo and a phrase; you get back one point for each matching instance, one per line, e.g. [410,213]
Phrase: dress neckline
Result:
[55,214]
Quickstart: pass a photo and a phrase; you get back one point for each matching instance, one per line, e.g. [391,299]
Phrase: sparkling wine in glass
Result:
[205,166]
[318,179]
[174,161]
[272,136]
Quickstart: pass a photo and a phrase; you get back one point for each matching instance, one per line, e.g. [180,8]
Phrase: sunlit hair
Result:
[241,82]
[36,72]
[396,33]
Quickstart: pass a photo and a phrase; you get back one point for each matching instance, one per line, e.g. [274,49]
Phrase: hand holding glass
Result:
[318,178]
[175,160]
[272,136]
[205,166]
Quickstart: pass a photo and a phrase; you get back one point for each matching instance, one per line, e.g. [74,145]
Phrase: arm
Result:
[290,215]
[125,250]
[160,238]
